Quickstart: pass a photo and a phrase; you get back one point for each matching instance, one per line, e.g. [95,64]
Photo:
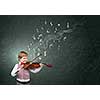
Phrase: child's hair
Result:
[22,54]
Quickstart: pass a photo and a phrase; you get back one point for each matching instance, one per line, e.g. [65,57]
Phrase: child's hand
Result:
[41,64]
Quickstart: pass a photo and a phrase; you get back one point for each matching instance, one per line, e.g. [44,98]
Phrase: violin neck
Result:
[48,65]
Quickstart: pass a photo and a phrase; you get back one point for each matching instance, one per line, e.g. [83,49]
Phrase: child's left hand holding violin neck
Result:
[41,64]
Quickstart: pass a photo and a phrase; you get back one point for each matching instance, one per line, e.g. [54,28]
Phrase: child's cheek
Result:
[21,60]
[25,60]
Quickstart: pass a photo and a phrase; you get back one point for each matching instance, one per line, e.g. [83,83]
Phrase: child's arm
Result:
[36,70]
[15,70]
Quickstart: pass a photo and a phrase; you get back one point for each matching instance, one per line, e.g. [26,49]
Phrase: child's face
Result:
[24,59]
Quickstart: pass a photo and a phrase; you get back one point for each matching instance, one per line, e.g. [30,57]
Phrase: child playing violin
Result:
[22,74]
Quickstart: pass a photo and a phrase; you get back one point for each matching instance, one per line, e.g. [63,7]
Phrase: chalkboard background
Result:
[75,63]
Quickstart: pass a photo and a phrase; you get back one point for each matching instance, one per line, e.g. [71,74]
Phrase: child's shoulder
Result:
[16,65]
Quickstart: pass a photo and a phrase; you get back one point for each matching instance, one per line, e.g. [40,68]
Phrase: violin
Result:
[30,65]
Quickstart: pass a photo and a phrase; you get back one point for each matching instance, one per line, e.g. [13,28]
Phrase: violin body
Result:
[30,65]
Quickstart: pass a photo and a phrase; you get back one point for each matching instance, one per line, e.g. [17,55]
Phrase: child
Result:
[23,75]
